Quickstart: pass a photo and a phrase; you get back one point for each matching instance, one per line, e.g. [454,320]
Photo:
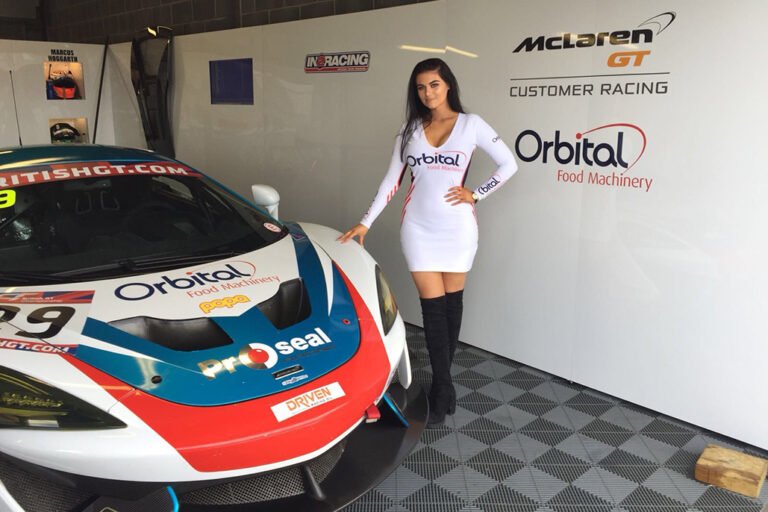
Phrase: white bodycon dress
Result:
[435,236]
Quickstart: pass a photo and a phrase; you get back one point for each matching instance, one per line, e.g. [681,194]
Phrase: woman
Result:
[438,230]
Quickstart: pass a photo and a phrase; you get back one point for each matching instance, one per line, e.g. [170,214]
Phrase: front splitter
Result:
[373,451]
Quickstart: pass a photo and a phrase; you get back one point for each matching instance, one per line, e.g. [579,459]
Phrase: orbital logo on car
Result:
[259,356]
[187,281]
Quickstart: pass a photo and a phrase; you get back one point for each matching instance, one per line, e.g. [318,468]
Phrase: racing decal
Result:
[306,401]
[295,379]
[248,434]
[75,170]
[34,346]
[259,356]
[47,297]
[45,322]
[7,198]
[345,62]
[272,227]
[225,373]
[225,302]
[208,280]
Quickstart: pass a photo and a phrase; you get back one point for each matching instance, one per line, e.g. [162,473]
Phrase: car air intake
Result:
[290,305]
[184,335]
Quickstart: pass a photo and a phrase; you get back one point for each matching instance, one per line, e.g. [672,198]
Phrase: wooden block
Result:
[732,470]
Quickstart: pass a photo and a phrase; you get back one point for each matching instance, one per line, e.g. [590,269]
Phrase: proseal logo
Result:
[236,270]
[307,401]
[259,356]
[256,356]
[607,152]
[345,62]
[440,160]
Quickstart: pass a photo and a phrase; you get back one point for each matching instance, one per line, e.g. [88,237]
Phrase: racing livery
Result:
[164,344]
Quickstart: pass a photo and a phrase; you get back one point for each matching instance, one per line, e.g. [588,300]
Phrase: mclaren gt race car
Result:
[166,345]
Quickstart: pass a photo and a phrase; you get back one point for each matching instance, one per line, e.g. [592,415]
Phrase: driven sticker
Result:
[307,401]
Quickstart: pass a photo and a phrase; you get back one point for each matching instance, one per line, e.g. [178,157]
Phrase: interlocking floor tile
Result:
[616,416]
[533,404]
[495,464]
[715,499]
[561,465]
[637,446]
[523,440]
[661,482]
[593,483]
[560,416]
[546,431]
[589,404]
[522,379]
[401,483]
[502,498]
[431,498]
[430,463]
[509,392]
[628,466]
[472,379]
[618,487]
[662,452]
[669,433]
[574,499]
[607,433]
[585,448]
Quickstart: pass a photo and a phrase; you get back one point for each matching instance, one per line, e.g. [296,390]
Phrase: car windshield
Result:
[85,229]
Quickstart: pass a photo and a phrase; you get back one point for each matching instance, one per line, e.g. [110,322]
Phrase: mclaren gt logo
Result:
[259,356]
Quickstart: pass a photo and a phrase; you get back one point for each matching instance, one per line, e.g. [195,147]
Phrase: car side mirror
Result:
[266,197]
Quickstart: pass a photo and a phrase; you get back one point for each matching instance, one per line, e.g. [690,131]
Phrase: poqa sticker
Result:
[7,198]
[272,227]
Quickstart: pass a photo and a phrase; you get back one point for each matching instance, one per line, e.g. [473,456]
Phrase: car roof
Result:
[28,156]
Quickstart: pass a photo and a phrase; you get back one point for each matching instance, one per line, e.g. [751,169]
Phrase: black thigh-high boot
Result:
[454,309]
[434,313]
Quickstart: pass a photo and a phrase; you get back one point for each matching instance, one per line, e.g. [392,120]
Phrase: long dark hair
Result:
[415,111]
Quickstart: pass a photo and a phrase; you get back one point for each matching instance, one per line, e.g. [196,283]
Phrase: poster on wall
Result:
[63,80]
[68,131]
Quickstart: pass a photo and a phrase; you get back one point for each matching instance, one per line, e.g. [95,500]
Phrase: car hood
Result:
[219,333]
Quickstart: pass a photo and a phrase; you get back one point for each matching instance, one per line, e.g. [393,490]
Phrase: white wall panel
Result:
[227,141]
[654,296]
[123,110]
[25,59]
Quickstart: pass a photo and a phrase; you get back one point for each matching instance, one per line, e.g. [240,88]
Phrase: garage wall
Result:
[654,293]
[651,292]
[25,59]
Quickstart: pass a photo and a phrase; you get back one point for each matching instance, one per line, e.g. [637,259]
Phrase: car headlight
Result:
[26,402]
[387,304]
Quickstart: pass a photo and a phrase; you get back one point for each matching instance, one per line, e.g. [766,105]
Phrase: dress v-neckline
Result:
[453,129]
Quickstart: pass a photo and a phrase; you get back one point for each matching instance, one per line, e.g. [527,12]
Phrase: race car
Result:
[165,345]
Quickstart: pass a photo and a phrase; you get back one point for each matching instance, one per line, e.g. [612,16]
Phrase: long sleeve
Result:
[506,166]
[388,187]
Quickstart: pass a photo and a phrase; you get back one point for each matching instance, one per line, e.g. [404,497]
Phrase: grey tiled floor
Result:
[526,441]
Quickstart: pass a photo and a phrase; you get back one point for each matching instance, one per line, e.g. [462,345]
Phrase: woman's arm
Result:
[387,189]
[506,166]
